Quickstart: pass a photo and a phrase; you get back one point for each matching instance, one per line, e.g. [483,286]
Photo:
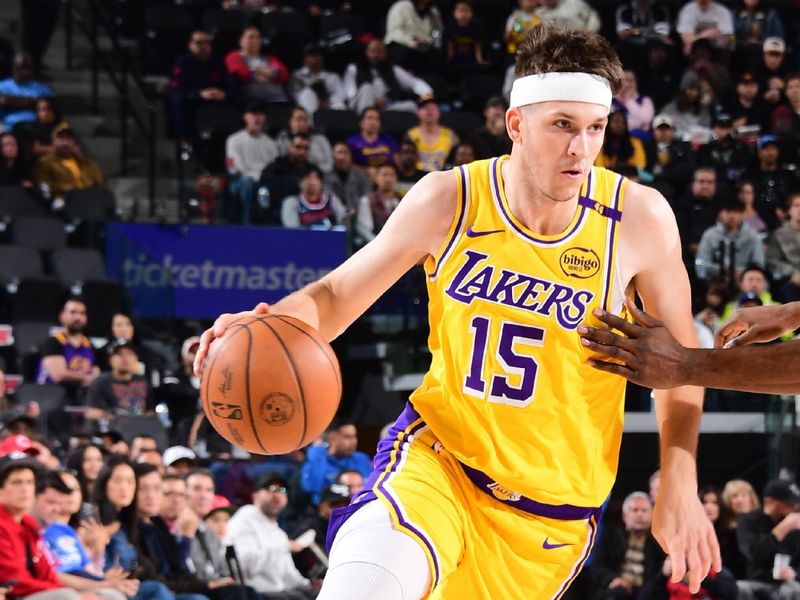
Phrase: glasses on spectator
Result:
[274,487]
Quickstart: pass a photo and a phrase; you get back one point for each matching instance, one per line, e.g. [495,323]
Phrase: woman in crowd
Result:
[86,461]
[14,168]
[300,122]
[718,514]
[637,108]
[123,329]
[739,498]
[746,193]
[620,149]
[48,118]
[687,110]
[261,76]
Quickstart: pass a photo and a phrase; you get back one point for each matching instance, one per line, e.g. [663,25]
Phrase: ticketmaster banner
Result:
[204,270]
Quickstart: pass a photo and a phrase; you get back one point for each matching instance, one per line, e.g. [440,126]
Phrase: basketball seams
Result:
[295,374]
[335,367]
[247,387]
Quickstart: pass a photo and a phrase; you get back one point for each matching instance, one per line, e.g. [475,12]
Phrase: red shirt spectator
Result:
[250,65]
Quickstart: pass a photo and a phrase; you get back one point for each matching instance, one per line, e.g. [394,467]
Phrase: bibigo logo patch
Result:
[579,262]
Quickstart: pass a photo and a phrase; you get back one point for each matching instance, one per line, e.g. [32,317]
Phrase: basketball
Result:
[271,384]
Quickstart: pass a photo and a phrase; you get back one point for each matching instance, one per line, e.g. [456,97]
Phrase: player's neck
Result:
[531,206]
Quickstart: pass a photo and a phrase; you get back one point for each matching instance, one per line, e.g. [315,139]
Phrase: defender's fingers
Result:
[630,329]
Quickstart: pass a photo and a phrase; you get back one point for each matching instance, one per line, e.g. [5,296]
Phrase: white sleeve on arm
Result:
[397,23]
[289,215]
[364,221]
[233,155]
[686,19]
[726,21]
[409,82]
[349,82]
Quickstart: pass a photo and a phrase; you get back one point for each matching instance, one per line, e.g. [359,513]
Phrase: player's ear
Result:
[513,124]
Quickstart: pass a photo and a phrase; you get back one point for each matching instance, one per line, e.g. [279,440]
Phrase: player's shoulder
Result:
[645,206]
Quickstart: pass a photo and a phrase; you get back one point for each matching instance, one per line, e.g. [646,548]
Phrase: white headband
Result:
[575,87]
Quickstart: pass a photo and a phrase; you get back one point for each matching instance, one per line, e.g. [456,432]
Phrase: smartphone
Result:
[88,512]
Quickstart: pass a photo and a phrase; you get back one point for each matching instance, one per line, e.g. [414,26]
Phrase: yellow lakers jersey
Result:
[433,156]
[509,391]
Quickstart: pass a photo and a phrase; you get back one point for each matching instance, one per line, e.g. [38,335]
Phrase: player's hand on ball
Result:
[683,530]
[218,330]
[755,324]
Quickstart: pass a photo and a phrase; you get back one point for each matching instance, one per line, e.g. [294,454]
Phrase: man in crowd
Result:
[179,460]
[313,206]
[68,357]
[698,211]
[248,152]
[766,532]
[408,173]
[122,391]
[699,19]
[725,153]
[313,87]
[728,247]
[263,548]
[375,208]
[180,391]
[324,463]
[772,184]
[349,184]
[783,251]
[434,141]
[492,139]
[19,93]
[673,161]
[140,444]
[626,559]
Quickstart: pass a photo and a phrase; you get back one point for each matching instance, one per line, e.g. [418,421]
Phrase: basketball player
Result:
[652,357]
[491,481]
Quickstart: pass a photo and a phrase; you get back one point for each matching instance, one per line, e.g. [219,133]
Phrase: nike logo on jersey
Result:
[472,233]
[548,546]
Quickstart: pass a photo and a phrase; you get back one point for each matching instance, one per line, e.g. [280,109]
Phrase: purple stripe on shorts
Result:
[562,512]
[582,560]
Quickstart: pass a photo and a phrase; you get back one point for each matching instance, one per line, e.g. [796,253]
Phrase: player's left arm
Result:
[649,236]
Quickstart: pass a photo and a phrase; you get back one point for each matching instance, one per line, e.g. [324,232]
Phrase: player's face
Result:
[559,142]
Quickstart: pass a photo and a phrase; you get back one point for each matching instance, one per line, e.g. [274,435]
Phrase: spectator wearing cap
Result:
[262,76]
[434,141]
[300,122]
[370,146]
[122,391]
[313,207]
[18,419]
[637,108]
[783,252]
[491,139]
[217,518]
[347,182]
[671,160]
[728,247]
[179,460]
[18,445]
[263,548]
[376,81]
[747,108]
[313,87]
[123,329]
[407,159]
[180,391]
[687,110]
[247,153]
[323,463]
[18,93]
[66,168]
[728,156]
[705,19]
[772,68]
[67,358]
[764,533]
[773,184]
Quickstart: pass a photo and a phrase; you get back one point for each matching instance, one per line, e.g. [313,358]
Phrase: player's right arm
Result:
[416,229]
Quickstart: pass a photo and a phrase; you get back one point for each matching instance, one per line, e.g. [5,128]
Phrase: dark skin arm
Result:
[652,357]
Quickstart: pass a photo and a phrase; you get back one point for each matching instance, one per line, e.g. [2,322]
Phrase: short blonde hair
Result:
[733,487]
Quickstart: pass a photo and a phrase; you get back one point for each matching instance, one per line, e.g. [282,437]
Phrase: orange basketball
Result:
[271,384]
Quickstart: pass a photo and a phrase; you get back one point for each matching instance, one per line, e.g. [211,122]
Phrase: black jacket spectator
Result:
[610,554]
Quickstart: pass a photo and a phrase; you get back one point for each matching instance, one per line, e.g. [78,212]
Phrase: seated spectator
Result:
[792,93]
[64,545]
[747,108]
[180,391]
[48,119]
[14,168]
[65,169]
[324,463]
[20,538]
[179,461]
[374,209]
[753,24]
[772,69]
[434,141]
[637,23]
[729,157]
[261,76]
[370,146]
[123,330]
[299,122]
[781,123]
[86,461]
[627,558]
[464,42]
[728,247]
[262,546]
[462,154]
[152,458]
[752,283]
[199,77]
[354,480]
[687,110]
[698,210]
[492,139]
[705,19]
[141,443]
[637,108]
[122,391]
[291,167]
[78,519]
[620,149]
[521,20]
[68,358]
[313,87]
[739,499]
[18,93]
[208,553]
[659,76]
[248,152]
[217,518]
[725,528]
[773,184]
[783,252]
[313,207]
[571,14]
[746,194]
[706,64]
[346,182]
[764,533]
[414,34]
[375,81]
[407,160]
[671,160]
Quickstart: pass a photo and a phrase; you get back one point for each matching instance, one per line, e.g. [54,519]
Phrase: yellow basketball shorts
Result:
[481,539]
